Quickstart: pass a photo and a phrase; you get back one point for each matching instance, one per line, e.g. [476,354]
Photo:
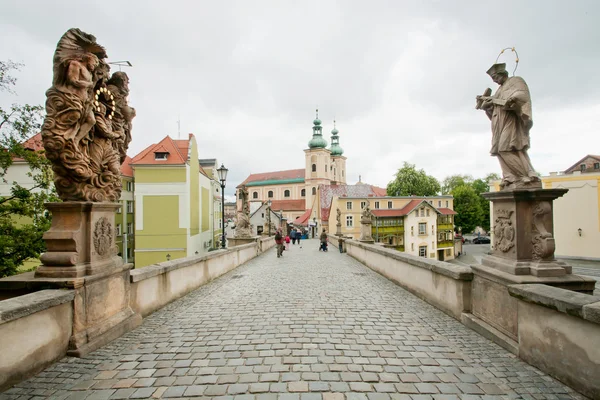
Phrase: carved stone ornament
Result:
[504,231]
[542,241]
[243,227]
[87,128]
[103,236]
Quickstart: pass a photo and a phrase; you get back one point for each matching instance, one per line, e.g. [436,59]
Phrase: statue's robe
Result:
[510,132]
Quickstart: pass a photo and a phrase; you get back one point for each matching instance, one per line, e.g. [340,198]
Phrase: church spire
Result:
[317,141]
[336,150]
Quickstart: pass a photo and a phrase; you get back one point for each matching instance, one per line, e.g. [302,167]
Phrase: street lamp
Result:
[269,215]
[222,177]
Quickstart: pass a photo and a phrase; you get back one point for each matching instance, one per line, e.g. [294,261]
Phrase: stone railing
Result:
[559,332]
[558,329]
[34,332]
[35,328]
[446,286]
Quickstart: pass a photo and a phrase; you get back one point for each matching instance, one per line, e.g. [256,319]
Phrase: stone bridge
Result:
[307,326]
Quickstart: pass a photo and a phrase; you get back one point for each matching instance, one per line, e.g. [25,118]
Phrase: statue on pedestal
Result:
[366,220]
[243,228]
[338,225]
[509,109]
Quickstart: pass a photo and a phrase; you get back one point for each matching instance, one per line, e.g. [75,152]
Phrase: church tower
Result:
[338,161]
[318,162]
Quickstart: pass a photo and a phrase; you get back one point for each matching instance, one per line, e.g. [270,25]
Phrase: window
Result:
[363,204]
[314,190]
[160,156]
[389,204]
[314,168]
[130,228]
[376,204]
[270,194]
[286,193]
[428,212]
[412,247]
[303,193]
[325,168]
[447,204]
[596,165]
[263,215]
[582,167]
[412,231]
[448,252]
[439,203]
[432,230]
[130,186]
[422,228]
[416,213]
[255,195]
[118,229]
[119,210]
[422,212]
[423,251]
[348,205]
[130,207]
[349,221]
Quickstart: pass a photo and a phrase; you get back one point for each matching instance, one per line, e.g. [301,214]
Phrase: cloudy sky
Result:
[400,77]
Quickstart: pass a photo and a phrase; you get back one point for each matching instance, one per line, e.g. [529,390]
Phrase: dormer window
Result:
[160,155]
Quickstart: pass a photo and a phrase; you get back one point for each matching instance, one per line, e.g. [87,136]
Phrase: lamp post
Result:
[269,215]
[222,177]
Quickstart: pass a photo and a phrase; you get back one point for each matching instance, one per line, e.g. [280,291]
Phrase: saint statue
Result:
[509,109]
[338,216]
[366,214]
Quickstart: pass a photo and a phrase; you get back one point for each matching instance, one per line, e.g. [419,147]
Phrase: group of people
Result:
[283,242]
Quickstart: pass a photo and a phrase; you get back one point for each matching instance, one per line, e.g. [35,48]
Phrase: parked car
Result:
[481,240]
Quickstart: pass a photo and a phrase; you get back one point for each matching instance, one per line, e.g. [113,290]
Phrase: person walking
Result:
[287,242]
[323,239]
[279,243]
[293,235]
[298,235]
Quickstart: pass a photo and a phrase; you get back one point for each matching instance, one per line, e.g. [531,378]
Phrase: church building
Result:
[294,191]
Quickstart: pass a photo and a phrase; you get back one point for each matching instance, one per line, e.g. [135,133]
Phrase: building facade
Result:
[297,189]
[125,216]
[174,202]
[421,226]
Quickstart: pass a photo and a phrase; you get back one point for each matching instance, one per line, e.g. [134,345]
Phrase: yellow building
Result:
[174,202]
[577,213]
[296,190]
[125,216]
[421,226]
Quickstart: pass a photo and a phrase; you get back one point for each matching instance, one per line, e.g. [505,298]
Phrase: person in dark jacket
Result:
[279,243]
[323,239]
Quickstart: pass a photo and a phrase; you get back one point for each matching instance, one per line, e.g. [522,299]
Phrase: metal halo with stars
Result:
[516,54]
[107,99]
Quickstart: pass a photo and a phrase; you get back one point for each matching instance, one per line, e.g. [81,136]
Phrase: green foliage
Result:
[467,205]
[410,181]
[453,181]
[23,219]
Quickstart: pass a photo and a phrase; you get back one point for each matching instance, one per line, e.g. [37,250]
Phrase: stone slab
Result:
[22,306]
[562,300]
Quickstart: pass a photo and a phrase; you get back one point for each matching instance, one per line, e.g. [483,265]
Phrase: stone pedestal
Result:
[365,231]
[338,229]
[523,252]
[82,255]
[237,241]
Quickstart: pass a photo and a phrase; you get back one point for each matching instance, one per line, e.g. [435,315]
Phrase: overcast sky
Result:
[400,77]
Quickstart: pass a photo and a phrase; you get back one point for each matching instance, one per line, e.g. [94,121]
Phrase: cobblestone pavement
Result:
[307,326]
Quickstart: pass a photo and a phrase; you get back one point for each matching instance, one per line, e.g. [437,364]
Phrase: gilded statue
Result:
[509,109]
[87,128]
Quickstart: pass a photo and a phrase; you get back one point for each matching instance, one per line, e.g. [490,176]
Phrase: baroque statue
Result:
[509,110]
[338,216]
[367,215]
[87,128]
[243,227]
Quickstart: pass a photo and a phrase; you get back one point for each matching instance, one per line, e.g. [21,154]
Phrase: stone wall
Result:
[34,332]
[35,328]
[154,286]
[446,286]
[559,332]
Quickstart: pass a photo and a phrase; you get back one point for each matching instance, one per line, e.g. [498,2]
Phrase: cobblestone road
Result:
[307,326]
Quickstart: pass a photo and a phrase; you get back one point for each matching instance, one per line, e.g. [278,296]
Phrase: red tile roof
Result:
[447,211]
[126,169]
[327,192]
[34,143]
[288,205]
[276,175]
[303,219]
[379,192]
[394,212]
[177,153]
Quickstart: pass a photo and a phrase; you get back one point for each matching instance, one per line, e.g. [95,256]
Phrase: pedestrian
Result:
[293,235]
[298,235]
[279,243]
[323,239]
[287,242]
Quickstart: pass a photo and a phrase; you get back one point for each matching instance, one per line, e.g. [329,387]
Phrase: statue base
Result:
[82,255]
[522,253]
[365,233]
[238,241]
[338,229]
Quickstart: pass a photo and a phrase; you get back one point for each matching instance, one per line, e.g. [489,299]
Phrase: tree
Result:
[410,182]
[23,219]
[454,181]
[467,205]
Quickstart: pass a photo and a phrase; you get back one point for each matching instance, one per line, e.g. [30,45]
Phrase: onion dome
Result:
[336,149]
[317,141]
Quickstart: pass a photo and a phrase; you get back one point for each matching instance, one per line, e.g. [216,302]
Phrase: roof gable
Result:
[167,145]
[328,192]
[575,167]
